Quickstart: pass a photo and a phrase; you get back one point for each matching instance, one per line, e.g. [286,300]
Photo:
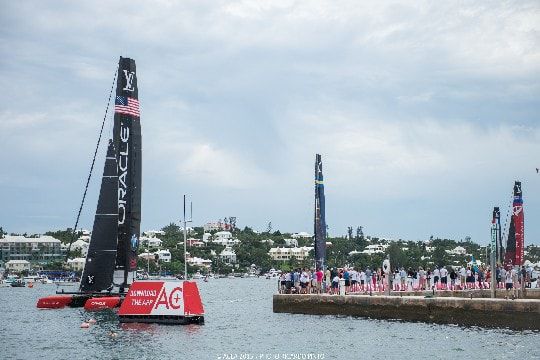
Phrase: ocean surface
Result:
[239,325]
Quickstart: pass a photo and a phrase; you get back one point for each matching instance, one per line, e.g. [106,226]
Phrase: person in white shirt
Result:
[362,280]
[421,279]
[462,278]
[354,280]
[335,285]
[304,279]
[470,278]
[403,278]
[444,277]
[397,280]
[508,279]
[515,281]
[436,277]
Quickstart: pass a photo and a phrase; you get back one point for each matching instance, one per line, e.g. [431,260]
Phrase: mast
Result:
[127,141]
[320,220]
[100,259]
[500,248]
[496,235]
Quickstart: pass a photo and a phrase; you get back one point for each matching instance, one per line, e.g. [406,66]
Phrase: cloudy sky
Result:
[425,114]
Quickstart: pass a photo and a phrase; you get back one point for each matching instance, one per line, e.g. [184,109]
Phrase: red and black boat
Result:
[109,274]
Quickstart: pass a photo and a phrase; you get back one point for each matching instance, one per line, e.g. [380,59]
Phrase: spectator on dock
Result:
[515,279]
[397,280]
[453,277]
[410,279]
[436,277]
[534,277]
[327,280]
[444,278]
[402,278]
[470,278]
[347,278]
[335,284]
[354,280]
[296,280]
[369,276]
[462,277]
[480,277]
[509,280]
[288,282]
[319,278]
[362,277]
[528,277]
[304,279]
[421,279]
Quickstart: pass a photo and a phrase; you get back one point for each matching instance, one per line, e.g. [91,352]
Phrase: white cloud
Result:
[239,95]
[401,159]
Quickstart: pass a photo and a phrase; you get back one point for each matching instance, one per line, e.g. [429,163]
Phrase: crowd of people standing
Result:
[311,281]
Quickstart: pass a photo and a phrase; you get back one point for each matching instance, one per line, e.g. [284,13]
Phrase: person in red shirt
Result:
[319,275]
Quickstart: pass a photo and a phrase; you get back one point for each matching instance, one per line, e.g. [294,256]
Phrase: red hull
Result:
[101,303]
[54,302]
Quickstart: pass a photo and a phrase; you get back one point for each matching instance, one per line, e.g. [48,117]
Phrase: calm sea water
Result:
[240,324]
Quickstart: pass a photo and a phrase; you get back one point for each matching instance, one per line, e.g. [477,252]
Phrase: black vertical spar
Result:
[320,220]
[127,141]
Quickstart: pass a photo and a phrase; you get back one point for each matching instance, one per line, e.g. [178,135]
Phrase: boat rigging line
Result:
[91,167]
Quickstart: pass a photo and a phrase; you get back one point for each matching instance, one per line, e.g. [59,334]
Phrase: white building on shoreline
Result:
[285,254]
[39,249]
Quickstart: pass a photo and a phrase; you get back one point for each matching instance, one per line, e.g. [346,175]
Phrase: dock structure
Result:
[474,293]
[519,314]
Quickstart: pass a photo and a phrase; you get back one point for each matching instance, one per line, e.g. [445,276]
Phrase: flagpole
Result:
[185,235]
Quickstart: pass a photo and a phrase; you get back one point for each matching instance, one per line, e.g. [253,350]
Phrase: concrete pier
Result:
[519,314]
[475,293]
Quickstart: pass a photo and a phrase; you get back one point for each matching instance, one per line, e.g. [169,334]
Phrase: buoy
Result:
[85,325]
[30,285]
[92,321]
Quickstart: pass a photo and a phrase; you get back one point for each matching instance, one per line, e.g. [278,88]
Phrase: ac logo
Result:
[172,301]
[129,80]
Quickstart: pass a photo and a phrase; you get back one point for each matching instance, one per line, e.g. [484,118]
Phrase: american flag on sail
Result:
[127,105]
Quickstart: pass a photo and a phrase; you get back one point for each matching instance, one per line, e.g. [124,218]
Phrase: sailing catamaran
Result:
[111,262]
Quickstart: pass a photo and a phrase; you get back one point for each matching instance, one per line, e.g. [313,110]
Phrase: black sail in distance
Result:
[100,260]
[127,141]
[498,240]
[320,220]
[510,251]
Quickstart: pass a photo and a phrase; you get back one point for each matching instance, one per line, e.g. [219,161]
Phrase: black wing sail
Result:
[99,268]
[127,140]
[510,251]
[320,220]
